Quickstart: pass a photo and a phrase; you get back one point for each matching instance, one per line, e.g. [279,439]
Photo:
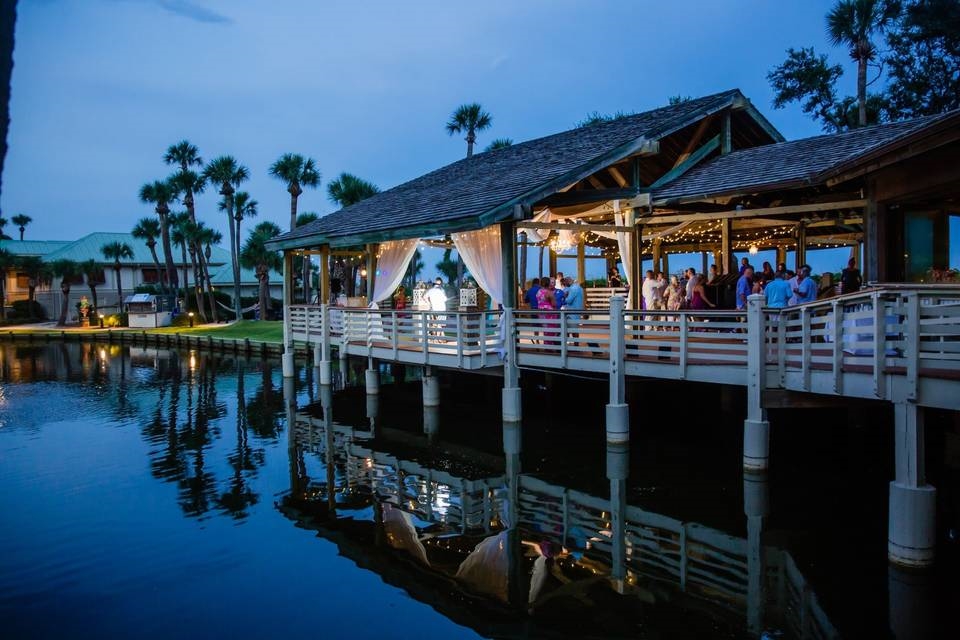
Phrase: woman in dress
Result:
[673,297]
[698,299]
[546,301]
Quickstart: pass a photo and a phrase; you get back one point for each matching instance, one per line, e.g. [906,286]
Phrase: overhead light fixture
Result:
[753,249]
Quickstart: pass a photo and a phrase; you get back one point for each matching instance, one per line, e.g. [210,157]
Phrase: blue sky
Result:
[102,87]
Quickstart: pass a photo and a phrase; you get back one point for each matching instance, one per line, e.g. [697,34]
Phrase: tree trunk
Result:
[65,303]
[471,138]
[264,289]
[172,278]
[93,294]
[862,90]
[3,296]
[211,299]
[234,259]
[186,279]
[293,210]
[30,291]
[540,263]
[156,264]
[116,272]
[197,283]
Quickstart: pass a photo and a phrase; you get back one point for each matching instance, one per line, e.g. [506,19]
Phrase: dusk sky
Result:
[102,87]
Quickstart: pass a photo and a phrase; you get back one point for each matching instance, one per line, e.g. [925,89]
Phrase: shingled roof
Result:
[481,190]
[788,164]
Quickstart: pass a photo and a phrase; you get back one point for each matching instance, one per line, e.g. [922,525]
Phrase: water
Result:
[157,494]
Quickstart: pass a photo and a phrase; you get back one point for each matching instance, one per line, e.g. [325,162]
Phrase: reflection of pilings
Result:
[431,423]
[912,599]
[756,505]
[618,469]
[517,591]
[372,376]
[373,410]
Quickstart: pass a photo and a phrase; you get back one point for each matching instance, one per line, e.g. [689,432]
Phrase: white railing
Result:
[897,342]
[896,337]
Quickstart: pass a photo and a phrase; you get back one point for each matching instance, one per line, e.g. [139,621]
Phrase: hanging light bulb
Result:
[753,249]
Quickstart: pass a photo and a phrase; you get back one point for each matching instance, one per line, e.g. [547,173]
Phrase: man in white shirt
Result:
[437,299]
[691,274]
[651,294]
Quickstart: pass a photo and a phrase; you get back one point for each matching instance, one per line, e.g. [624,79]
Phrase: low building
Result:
[140,270]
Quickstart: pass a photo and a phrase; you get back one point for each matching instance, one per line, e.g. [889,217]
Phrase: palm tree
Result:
[196,236]
[117,251]
[851,23]
[499,143]
[68,271]
[188,183]
[7,262]
[92,272]
[297,172]
[38,272]
[469,118]
[147,229]
[348,189]
[21,221]
[257,257]
[345,190]
[3,222]
[179,238]
[161,193]
[243,207]
[229,173]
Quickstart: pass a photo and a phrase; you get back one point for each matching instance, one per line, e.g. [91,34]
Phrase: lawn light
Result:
[101,321]
[190,315]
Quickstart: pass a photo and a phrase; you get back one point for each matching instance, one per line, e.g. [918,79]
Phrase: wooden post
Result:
[725,254]
[511,407]
[665,259]
[324,274]
[581,261]
[371,270]
[508,256]
[617,411]
[781,255]
[635,278]
[704,267]
[726,134]
[801,253]
[656,256]
[756,428]
[551,261]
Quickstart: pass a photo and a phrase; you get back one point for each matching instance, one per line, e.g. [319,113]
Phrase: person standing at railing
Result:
[806,289]
[778,291]
[546,301]
[530,296]
[744,287]
[850,279]
[436,297]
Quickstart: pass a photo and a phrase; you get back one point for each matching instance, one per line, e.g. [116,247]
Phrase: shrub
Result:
[21,310]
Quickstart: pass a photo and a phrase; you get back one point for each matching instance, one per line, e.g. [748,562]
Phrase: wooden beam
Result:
[694,141]
[726,134]
[588,196]
[725,254]
[566,226]
[508,257]
[595,182]
[695,158]
[618,177]
[751,213]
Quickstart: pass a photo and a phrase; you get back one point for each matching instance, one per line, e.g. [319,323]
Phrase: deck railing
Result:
[899,343]
[894,336]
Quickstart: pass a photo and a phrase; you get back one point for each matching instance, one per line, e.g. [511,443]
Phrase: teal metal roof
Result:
[32,247]
[224,275]
[88,247]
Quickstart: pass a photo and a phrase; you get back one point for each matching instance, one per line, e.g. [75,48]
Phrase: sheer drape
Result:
[391,266]
[480,251]
[625,244]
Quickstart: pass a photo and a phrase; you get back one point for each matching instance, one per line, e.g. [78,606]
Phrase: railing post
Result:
[563,340]
[512,406]
[617,413]
[805,347]
[425,337]
[394,338]
[836,334]
[756,428]
[459,340]
[879,346]
[326,371]
[684,331]
[912,343]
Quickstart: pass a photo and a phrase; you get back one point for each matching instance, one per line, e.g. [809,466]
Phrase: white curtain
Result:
[625,244]
[391,266]
[480,251]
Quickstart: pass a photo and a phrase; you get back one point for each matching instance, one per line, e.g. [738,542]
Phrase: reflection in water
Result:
[503,550]
[534,547]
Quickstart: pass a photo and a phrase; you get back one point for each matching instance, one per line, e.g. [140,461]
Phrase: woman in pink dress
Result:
[547,302]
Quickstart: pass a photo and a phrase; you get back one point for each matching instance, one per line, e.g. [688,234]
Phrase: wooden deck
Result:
[827,347]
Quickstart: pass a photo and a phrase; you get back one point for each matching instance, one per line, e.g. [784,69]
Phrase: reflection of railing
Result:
[698,560]
[694,559]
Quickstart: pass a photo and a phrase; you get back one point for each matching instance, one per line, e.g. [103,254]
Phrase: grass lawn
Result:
[266,331]
[262,331]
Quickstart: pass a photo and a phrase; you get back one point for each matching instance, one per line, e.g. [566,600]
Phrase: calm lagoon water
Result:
[155,493]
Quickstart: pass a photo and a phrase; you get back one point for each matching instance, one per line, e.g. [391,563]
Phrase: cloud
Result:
[193,11]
